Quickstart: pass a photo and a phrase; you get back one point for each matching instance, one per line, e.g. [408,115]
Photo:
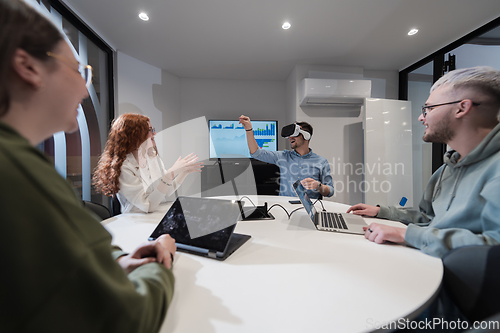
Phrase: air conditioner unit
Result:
[333,92]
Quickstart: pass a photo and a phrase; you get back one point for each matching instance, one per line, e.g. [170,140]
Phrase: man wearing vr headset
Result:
[300,163]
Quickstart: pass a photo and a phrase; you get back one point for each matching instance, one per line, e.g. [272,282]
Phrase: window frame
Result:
[439,149]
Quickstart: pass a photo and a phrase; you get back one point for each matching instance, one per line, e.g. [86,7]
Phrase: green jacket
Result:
[59,271]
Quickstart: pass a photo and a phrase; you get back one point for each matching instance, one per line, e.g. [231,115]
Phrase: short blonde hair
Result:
[481,78]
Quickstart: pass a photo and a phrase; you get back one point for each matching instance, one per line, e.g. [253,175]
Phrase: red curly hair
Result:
[127,133]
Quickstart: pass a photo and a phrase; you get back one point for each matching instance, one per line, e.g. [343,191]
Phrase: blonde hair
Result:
[483,79]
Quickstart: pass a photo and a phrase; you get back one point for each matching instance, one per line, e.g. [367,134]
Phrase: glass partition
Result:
[419,84]
[75,155]
[480,47]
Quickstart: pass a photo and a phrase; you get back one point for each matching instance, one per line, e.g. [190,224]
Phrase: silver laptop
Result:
[327,221]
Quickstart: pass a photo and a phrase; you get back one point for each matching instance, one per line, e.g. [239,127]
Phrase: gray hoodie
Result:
[461,203]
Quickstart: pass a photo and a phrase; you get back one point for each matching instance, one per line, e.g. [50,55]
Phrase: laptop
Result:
[327,221]
[205,215]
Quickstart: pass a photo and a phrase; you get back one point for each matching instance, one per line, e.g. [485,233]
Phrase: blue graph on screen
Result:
[228,138]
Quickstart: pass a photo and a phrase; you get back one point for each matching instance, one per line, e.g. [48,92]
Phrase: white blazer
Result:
[138,187]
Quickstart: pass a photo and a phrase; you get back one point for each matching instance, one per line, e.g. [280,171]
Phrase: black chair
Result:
[115,206]
[471,275]
[97,209]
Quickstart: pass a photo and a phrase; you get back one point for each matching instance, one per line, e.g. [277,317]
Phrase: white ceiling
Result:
[238,39]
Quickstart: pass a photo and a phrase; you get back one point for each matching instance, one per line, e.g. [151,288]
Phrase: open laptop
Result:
[210,213]
[327,221]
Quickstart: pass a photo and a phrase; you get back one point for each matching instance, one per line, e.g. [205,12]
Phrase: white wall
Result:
[338,133]
[148,90]
[175,106]
[385,84]
[228,99]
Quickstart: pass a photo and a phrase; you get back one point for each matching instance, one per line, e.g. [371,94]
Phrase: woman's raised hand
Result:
[187,164]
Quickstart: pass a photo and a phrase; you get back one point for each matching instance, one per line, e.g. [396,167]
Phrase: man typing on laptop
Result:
[461,203]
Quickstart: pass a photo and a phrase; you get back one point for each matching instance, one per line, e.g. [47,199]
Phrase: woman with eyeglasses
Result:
[60,272]
[131,169]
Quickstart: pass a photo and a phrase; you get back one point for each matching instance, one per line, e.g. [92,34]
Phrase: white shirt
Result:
[139,185]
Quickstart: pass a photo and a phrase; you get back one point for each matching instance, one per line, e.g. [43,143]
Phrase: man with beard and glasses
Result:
[461,203]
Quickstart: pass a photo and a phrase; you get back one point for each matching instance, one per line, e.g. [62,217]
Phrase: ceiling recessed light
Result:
[144,16]
[412,32]
[286,25]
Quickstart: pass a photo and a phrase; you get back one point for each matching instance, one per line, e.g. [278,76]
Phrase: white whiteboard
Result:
[388,173]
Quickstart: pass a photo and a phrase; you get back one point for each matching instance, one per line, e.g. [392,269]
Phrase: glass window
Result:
[480,51]
[75,155]
[419,85]
[480,47]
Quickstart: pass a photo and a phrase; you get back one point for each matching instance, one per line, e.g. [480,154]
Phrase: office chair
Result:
[115,206]
[97,209]
[471,275]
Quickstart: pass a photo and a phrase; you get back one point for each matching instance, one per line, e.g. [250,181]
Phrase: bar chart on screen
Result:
[228,138]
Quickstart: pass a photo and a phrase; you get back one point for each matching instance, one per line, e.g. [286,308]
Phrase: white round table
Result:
[289,277]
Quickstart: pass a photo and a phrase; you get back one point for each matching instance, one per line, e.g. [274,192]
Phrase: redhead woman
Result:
[131,169]
[60,272]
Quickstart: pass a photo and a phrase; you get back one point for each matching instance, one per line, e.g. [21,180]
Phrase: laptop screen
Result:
[209,214]
[304,198]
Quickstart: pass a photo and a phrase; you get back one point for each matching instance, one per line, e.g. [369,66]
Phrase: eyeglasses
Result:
[152,130]
[85,70]
[428,108]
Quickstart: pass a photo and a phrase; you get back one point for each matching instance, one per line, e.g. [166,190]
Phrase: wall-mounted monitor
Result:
[228,138]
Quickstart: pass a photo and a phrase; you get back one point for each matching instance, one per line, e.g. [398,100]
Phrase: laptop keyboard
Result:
[332,220]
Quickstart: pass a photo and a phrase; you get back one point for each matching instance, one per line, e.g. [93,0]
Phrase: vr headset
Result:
[294,130]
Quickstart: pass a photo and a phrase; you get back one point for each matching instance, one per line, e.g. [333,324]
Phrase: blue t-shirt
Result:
[293,166]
